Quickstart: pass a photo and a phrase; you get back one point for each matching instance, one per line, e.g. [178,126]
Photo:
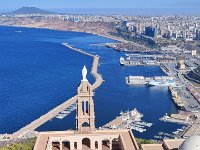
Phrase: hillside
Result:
[30,10]
[27,144]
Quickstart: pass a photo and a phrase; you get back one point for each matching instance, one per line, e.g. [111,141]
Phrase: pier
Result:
[52,113]
[94,72]
[128,120]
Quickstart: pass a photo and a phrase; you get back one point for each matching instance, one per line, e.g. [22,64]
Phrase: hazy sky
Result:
[52,4]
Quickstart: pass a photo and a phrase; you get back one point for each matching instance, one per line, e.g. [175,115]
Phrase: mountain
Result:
[30,10]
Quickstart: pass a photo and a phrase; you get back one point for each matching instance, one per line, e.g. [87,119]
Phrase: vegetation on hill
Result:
[24,145]
[143,141]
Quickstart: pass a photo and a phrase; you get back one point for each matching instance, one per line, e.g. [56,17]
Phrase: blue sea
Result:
[37,73]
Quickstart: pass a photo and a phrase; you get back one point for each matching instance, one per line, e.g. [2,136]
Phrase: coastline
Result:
[29,128]
[120,40]
[129,103]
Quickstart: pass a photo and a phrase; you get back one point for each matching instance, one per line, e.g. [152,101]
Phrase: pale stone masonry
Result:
[85,105]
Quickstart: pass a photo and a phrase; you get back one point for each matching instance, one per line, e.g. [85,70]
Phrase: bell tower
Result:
[85,118]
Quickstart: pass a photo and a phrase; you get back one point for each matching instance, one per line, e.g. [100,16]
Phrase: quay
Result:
[78,50]
[194,129]
[52,113]
[102,44]
[94,71]
[119,39]
[128,120]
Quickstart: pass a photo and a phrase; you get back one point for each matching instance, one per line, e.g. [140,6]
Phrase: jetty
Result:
[52,113]
[128,120]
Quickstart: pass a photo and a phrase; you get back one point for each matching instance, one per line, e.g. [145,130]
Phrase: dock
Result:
[94,71]
[102,44]
[146,60]
[128,120]
[193,130]
[52,113]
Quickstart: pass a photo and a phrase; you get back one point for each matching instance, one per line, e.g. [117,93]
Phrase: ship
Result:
[122,61]
[137,62]
[128,62]
[136,80]
[146,60]
[162,81]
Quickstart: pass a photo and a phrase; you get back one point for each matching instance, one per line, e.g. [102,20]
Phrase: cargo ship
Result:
[145,60]
[162,81]
[130,62]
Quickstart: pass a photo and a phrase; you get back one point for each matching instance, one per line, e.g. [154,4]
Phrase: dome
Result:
[192,143]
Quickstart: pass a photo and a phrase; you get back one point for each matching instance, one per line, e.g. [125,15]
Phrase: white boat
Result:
[60,116]
[129,62]
[122,61]
[65,112]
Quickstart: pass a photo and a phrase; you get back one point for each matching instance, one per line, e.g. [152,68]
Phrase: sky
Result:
[62,4]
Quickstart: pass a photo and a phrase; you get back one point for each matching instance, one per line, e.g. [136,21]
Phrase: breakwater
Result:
[52,113]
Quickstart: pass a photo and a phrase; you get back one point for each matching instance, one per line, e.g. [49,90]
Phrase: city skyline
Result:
[54,4]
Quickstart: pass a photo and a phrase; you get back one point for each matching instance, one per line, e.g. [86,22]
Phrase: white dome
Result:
[192,143]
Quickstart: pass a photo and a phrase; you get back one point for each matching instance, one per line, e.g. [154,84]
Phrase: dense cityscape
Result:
[171,43]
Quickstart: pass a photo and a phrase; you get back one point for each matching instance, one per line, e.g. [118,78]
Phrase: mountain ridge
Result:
[30,10]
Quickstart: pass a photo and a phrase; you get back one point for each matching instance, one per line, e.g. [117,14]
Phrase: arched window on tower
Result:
[87,107]
[85,124]
[83,107]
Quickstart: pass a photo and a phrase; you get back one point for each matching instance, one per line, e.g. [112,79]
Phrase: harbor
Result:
[124,98]
[183,93]
[66,111]
[60,111]
[189,120]
[128,120]
[173,135]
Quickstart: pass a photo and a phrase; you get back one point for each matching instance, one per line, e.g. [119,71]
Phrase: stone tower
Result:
[85,118]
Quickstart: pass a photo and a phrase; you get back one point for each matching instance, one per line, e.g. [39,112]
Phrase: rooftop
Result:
[152,147]
[125,136]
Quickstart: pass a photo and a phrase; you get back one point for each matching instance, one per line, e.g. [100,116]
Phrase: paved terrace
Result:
[51,114]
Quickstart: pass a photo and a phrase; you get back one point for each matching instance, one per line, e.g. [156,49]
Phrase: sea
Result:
[37,73]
